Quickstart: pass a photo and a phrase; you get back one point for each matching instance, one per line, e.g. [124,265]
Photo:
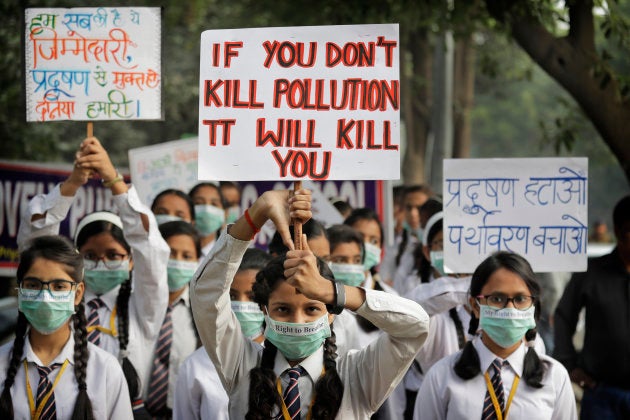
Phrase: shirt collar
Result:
[109,298]
[67,352]
[184,298]
[486,357]
[313,364]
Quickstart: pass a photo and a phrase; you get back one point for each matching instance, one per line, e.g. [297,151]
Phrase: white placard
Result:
[534,207]
[311,102]
[97,63]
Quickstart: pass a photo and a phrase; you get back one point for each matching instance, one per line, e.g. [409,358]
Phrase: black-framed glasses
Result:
[33,287]
[111,260]
[500,301]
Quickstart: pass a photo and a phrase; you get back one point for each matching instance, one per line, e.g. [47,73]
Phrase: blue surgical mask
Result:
[101,279]
[250,317]
[233,213]
[179,273]
[372,256]
[165,218]
[437,261]
[506,326]
[348,274]
[297,341]
[208,219]
[46,311]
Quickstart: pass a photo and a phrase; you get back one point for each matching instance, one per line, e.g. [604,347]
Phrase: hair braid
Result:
[262,386]
[122,305]
[6,401]
[83,405]
[329,387]
[533,367]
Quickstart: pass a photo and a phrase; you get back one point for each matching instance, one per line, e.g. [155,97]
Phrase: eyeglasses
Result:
[500,301]
[33,287]
[112,260]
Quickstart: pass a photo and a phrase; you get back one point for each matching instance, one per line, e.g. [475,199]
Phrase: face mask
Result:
[297,341]
[250,317]
[349,274]
[372,256]
[418,233]
[165,218]
[208,219]
[437,261]
[101,280]
[46,311]
[506,326]
[179,273]
[233,214]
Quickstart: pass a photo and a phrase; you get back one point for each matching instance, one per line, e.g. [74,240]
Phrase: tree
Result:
[573,60]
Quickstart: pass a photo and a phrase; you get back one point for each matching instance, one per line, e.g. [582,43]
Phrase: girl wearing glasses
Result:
[500,372]
[50,370]
[116,249]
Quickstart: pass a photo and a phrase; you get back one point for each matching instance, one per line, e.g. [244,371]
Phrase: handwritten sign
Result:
[534,207]
[93,64]
[300,102]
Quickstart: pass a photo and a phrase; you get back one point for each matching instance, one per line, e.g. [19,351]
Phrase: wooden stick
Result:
[297,227]
[90,129]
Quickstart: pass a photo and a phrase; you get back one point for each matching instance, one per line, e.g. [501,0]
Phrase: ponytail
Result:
[262,386]
[122,305]
[6,401]
[533,367]
[83,405]
[402,246]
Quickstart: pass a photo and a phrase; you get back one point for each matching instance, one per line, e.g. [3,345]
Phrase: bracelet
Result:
[111,182]
[340,298]
[250,222]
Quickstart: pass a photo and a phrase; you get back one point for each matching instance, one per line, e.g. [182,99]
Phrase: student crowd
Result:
[170,312]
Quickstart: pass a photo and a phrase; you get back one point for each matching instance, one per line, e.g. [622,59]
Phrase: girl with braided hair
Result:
[50,370]
[119,250]
[298,374]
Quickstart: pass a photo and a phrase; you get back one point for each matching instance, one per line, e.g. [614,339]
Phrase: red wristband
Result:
[250,222]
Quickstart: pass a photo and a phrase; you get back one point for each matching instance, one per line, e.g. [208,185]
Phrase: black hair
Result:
[254,259]
[343,234]
[122,300]
[621,212]
[177,193]
[312,229]
[194,190]
[468,364]
[263,396]
[60,250]
[179,227]
[430,207]
[365,213]
[228,184]
[420,261]
[342,206]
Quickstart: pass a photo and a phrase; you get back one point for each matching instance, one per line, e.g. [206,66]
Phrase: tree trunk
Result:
[463,92]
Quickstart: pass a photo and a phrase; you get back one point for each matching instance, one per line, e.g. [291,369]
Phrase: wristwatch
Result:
[340,298]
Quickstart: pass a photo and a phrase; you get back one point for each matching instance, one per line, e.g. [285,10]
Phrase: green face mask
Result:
[165,218]
[297,341]
[208,219]
[437,261]
[233,214]
[101,280]
[250,317]
[372,256]
[179,273]
[348,274]
[506,326]
[46,311]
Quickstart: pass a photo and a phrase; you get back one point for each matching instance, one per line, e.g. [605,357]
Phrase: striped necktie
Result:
[292,392]
[49,411]
[489,412]
[94,336]
[158,384]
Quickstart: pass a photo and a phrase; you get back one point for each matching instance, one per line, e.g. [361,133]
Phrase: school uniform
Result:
[444,395]
[368,375]
[399,275]
[199,393]
[106,385]
[149,296]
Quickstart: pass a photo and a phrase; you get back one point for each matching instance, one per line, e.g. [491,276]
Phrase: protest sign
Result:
[534,207]
[90,64]
[293,103]
[21,181]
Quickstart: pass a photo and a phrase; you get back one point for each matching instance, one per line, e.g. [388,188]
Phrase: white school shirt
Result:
[183,345]
[149,296]
[441,294]
[106,385]
[199,393]
[444,395]
[399,275]
[368,375]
